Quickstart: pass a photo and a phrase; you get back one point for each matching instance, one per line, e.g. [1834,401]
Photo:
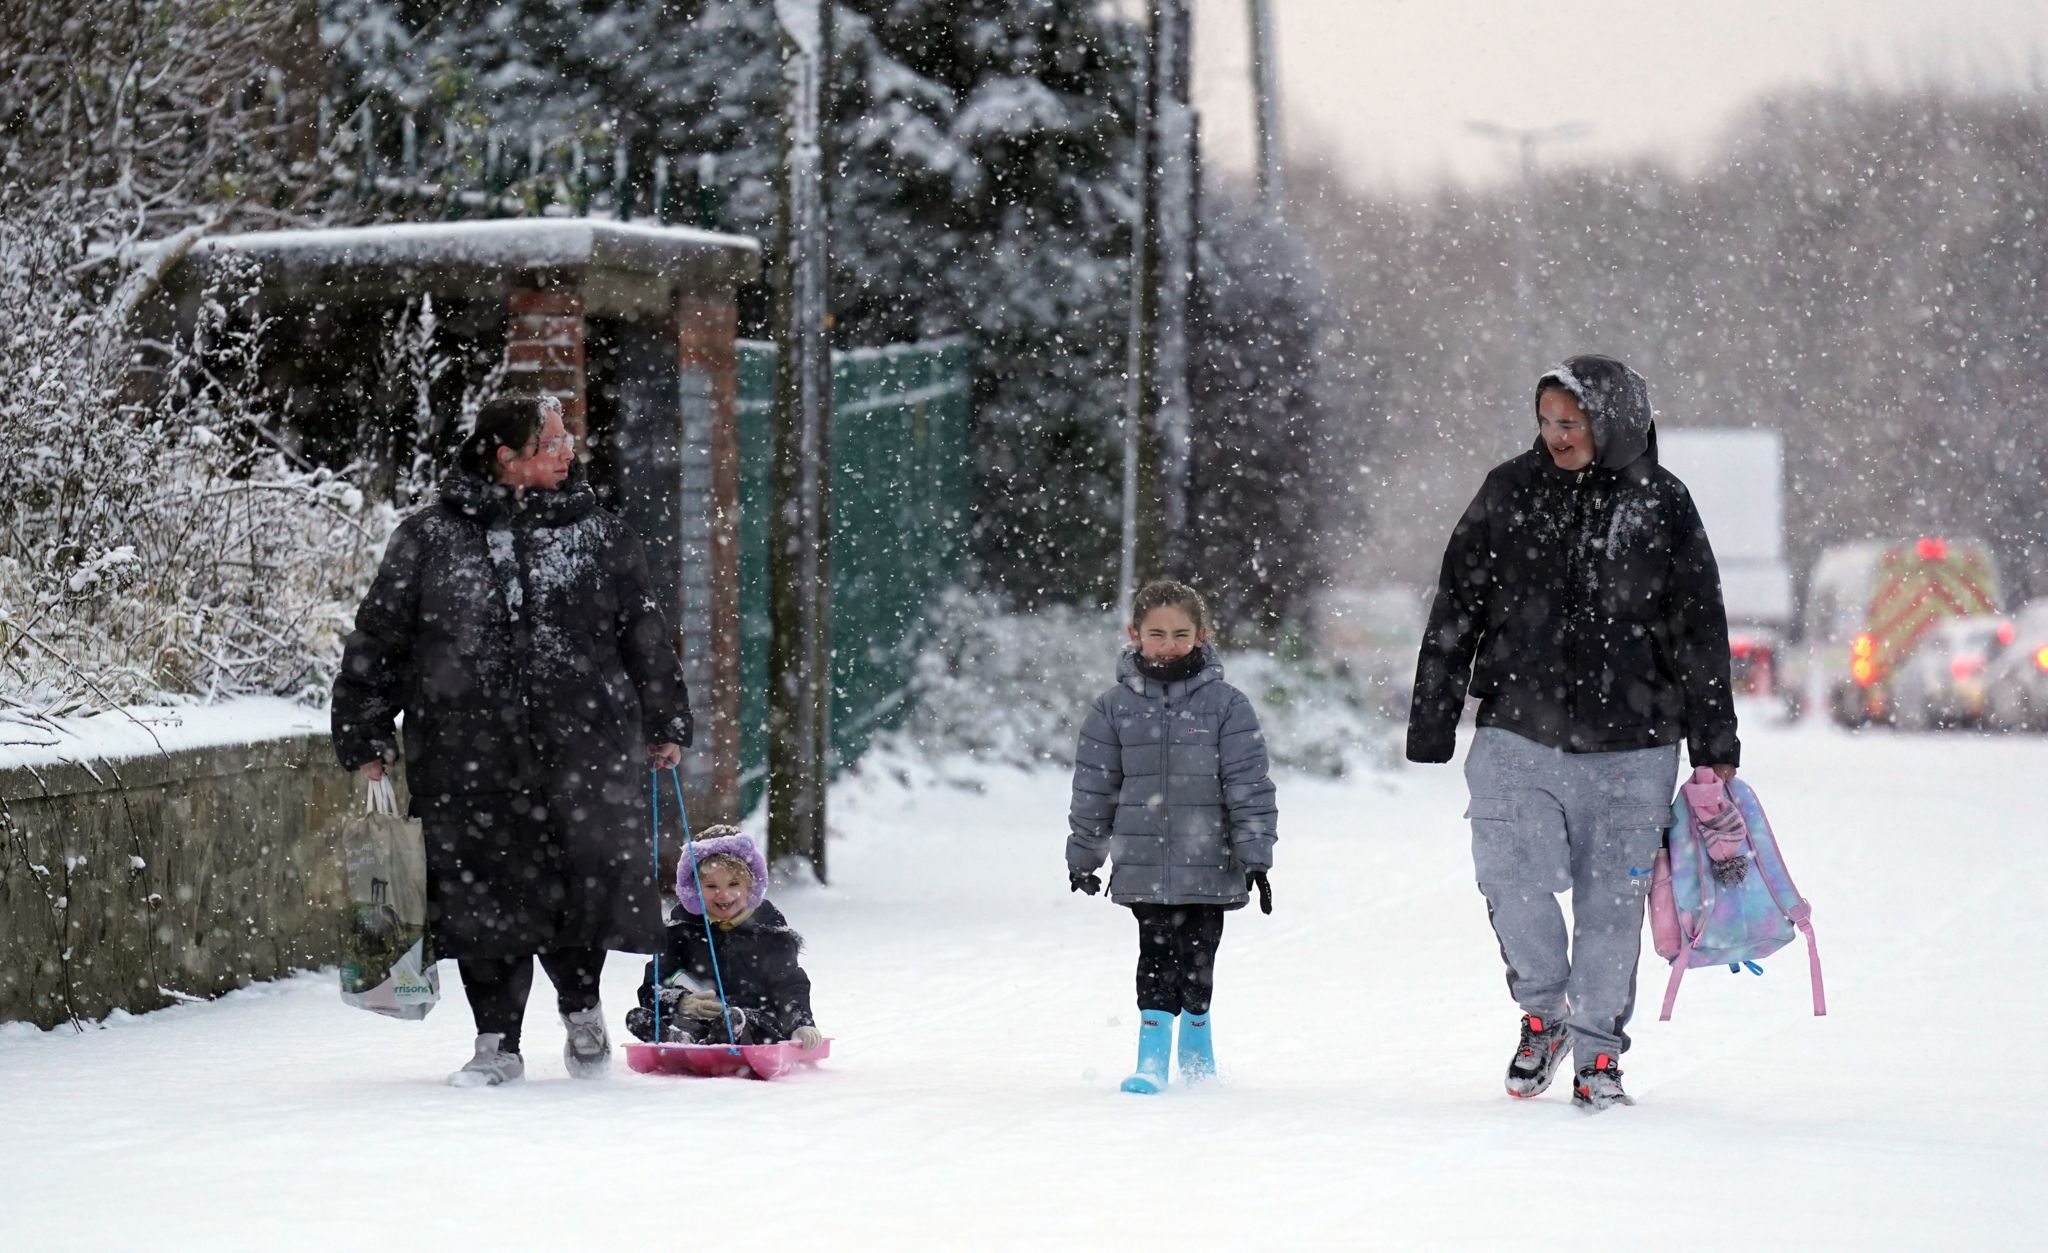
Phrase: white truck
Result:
[1737,479]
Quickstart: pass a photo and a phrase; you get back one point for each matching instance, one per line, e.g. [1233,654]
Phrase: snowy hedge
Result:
[156,544]
[1013,688]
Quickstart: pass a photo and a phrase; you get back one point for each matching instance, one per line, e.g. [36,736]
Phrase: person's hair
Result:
[1164,592]
[731,861]
[511,421]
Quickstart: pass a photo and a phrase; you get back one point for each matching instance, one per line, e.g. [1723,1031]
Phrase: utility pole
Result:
[799,558]
[1266,108]
[1526,139]
[1136,454]
[1157,469]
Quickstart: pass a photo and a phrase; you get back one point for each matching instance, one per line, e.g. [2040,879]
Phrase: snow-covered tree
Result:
[155,542]
[141,117]
[1858,271]
[980,182]
[1266,381]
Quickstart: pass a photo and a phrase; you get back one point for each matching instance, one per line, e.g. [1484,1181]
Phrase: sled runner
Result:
[725,1061]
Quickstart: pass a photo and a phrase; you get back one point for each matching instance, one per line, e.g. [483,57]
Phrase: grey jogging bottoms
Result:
[1546,821]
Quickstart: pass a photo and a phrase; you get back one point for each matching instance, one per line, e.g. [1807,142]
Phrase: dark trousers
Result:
[1177,956]
[497,987]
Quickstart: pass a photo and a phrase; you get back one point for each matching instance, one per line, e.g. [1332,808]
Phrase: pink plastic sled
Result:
[723,1061]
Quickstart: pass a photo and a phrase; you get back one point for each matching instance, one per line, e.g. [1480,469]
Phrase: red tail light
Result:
[1932,548]
[1966,666]
[2041,657]
[1738,646]
[2006,632]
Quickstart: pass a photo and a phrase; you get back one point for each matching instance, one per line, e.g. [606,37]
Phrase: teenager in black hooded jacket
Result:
[1580,602]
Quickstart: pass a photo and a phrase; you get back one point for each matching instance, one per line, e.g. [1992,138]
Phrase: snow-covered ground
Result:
[982,1019]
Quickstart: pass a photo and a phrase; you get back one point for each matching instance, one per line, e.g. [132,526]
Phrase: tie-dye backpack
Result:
[1720,895]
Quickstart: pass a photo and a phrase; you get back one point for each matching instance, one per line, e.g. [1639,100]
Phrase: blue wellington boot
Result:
[1197,1050]
[1155,1047]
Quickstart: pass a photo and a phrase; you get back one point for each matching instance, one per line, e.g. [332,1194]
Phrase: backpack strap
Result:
[1800,913]
[1703,875]
[1678,965]
[1820,993]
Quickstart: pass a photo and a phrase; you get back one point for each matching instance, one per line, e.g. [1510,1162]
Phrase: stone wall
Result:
[132,884]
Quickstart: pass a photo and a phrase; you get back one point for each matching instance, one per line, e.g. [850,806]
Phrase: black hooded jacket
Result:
[1583,608]
[756,959]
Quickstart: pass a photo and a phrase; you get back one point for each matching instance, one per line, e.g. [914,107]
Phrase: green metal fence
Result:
[902,486]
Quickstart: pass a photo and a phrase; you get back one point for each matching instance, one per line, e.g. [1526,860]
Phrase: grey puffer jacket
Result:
[1170,785]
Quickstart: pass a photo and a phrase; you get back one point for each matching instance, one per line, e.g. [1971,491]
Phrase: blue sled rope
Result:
[710,944]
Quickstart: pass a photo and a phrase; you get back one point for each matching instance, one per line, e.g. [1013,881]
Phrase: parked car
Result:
[2018,680]
[1944,682]
[1753,665]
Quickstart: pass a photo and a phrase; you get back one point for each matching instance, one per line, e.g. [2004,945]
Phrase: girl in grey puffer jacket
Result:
[1170,785]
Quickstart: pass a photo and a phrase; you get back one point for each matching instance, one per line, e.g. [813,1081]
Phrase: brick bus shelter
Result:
[632,326]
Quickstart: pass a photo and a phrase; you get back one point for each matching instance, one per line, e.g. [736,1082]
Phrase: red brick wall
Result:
[545,351]
[707,340]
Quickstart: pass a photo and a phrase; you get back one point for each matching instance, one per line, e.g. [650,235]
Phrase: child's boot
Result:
[1197,1051]
[1155,1049]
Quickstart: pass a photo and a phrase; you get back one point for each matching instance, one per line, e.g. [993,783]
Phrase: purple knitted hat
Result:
[727,840]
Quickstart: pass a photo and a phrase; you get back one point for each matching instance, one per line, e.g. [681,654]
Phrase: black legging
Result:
[497,988]
[1177,956]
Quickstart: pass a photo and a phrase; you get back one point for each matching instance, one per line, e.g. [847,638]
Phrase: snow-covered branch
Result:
[154,543]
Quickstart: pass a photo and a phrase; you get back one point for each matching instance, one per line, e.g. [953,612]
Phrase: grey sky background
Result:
[1382,89]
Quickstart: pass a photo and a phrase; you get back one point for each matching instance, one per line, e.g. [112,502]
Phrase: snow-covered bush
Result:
[155,541]
[1013,688]
[1005,686]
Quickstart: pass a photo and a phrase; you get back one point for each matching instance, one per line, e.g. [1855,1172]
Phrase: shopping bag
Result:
[388,961]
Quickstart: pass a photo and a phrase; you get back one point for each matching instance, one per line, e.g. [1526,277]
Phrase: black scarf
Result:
[1186,666]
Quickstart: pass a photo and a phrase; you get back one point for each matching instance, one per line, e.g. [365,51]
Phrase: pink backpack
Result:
[1720,894]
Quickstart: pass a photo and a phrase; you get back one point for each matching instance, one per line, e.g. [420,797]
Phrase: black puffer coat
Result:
[1583,607]
[520,640]
[757,960]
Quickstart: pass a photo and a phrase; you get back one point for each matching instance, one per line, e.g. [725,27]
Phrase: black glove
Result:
[1083,881]
[1257,879]
[640,1022]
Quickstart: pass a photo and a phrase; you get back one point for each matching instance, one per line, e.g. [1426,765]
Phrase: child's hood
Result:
[733,845]
[1128,674]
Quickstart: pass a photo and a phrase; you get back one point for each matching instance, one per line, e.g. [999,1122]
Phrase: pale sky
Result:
[1386,87]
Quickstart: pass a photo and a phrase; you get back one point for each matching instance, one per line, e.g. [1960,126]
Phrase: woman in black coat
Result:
[511,622]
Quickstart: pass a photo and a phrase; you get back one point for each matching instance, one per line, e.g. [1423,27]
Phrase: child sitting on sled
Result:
[767,993]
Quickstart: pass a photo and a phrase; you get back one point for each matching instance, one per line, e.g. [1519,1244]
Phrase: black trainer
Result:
[1535,1062]
[1599,1086]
